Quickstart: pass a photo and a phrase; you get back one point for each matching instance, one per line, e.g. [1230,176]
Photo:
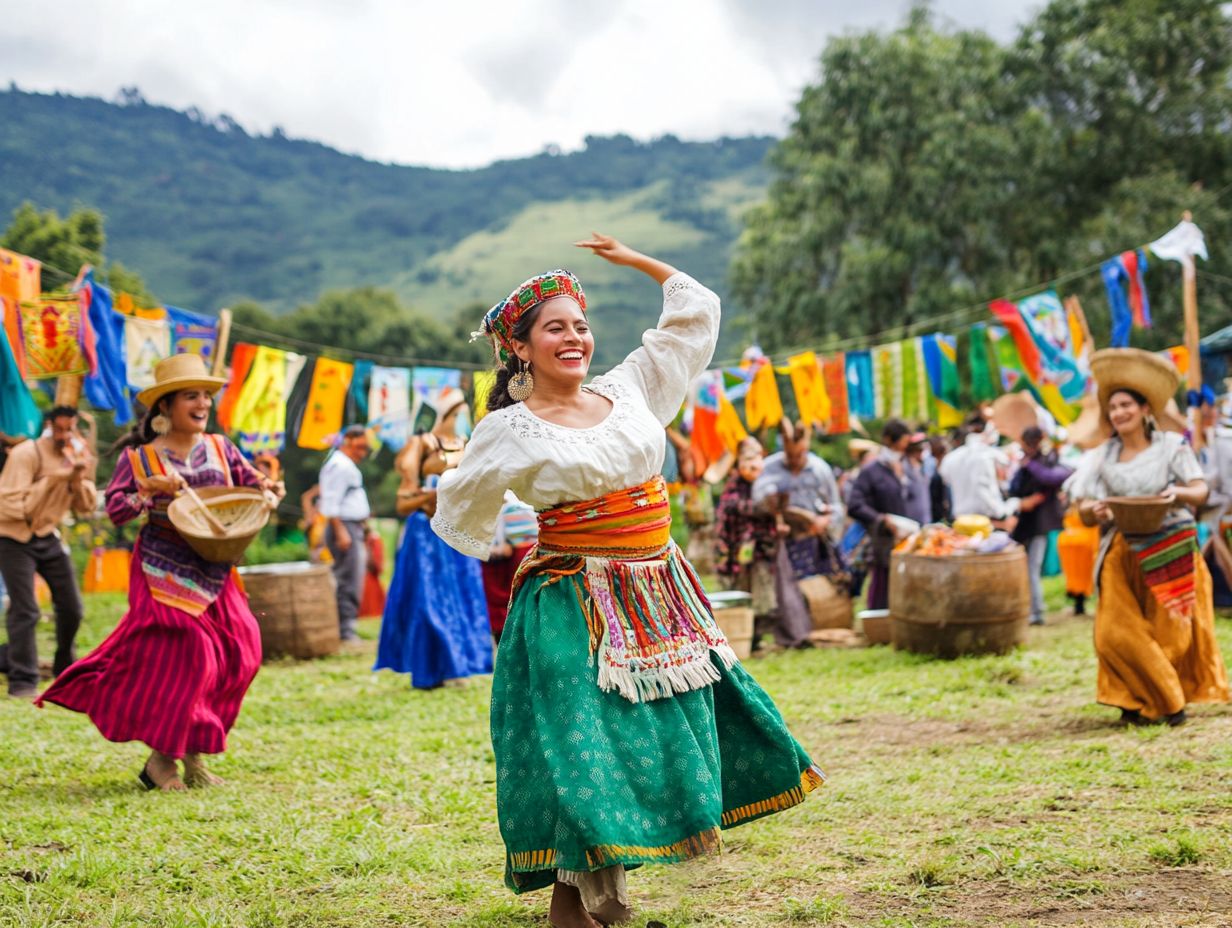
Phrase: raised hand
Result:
[610,249]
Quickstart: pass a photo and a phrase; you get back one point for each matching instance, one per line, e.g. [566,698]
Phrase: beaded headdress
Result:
[500,321]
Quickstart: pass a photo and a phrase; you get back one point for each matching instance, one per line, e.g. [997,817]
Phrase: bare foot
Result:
[567,910]
[163,772]
[197,774]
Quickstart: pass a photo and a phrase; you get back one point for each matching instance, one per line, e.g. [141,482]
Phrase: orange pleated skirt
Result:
[1150,660]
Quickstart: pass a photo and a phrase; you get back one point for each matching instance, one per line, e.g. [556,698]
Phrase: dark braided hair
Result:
[142,432]
[499,398]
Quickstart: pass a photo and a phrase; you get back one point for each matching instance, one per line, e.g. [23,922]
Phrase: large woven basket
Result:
[1138,515]
[243,511]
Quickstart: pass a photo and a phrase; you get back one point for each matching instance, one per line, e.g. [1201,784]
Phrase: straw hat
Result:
[179,372]
[1014,413]
[1150,375]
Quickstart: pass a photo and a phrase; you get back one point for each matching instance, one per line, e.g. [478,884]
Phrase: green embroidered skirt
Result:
[587,779]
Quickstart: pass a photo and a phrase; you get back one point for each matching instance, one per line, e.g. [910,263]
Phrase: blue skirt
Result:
[435,625]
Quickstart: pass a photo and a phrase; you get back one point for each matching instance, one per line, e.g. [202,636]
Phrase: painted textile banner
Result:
[763,407]
[834,374]
[193,334]
[106,386]
[20,281]
[426,385]
[389,405]
[19,415]
[146,342]
[241,361]
[985,385]
[51,333]
[260,412]
[940,354]
[810,390]
[483,382]
[326,401]
[861,398]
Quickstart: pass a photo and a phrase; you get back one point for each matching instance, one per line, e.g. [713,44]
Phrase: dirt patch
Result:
[1163,898]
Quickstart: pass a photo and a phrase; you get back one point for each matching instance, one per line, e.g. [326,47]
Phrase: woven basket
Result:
[243,511]
[1138,515]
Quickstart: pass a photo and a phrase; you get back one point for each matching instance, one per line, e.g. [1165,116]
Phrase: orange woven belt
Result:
[630,523]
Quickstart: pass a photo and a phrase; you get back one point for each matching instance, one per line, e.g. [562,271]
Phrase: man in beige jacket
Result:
[42,480]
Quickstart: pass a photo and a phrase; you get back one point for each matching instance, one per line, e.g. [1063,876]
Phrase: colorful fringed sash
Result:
[651,628]
[1167,559]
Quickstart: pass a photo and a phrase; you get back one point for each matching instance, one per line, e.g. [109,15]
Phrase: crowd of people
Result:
[620,714]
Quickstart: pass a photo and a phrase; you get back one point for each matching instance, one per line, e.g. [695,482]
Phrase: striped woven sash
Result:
[651,628]
[1167,559]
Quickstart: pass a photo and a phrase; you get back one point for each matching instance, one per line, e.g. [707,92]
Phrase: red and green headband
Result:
[500,321]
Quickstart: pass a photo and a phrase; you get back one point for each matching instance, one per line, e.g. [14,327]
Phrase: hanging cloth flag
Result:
[21,280]
[763,407]
[260,413]
[925,413]
[51,332]
[984,383]
[861,396]
[1113,272]
[911,386]
[704,439]
[1135,265]
[146,342]
[357,395]
[106,386]
[1029,360]
[389,405]
[730,429]
[426,385]
[192,333]
[888,380]
[940,354]
[295,366]
[241,361]
[19,415]
[1178,355]
[326,402]
[297,394]
[1009,363]
[1047,325]
[482,383]
[834,375]
[810,390]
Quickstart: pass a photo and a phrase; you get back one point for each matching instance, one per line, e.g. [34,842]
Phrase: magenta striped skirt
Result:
[164,677]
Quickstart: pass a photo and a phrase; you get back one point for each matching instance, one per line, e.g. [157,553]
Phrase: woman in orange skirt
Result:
[1154,624]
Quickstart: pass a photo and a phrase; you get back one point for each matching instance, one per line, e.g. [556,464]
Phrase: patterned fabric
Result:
[586,779]
[984,384]
[1167,559]
[389,405]
[51,333]
[744,534]
[861,384]
[649,619]
[326,398]
[806,381]
[19,415]
[176,575]
[192,333]
[106,387]
[435,625]
[834,375]
[20,280]
[260,411]
[146,342]
[500,321]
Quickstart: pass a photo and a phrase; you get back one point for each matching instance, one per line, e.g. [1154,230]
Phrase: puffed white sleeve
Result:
[1087,480]
[677,350]
[469,497]
[1183,462]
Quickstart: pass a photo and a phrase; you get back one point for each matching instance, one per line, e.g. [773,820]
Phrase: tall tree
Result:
[927,170]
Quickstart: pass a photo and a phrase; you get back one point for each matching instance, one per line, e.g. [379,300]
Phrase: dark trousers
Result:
[19,562]
[349,569]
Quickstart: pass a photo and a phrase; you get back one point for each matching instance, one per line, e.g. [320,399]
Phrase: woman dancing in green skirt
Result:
[625,730]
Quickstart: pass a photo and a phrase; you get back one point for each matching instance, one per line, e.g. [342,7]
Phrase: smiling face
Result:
[188,410]
[1126,413]
[560,343]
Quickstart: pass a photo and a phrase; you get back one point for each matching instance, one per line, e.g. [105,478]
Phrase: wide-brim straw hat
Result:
[1152,376]
[179,372]
[1013,414]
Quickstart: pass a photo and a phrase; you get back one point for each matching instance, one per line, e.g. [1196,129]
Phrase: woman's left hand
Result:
[277,487]
[610,249]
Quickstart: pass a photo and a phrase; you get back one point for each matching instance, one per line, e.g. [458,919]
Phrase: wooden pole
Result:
[220,346]
[1193,338]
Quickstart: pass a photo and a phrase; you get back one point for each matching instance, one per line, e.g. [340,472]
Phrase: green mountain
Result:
[211,215]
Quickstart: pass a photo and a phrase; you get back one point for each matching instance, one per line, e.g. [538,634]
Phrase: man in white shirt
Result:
[345,507]
[971,474]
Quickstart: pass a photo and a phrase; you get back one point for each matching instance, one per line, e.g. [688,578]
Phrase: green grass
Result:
[983,791]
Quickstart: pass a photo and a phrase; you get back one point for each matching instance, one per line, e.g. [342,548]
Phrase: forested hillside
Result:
[212,216]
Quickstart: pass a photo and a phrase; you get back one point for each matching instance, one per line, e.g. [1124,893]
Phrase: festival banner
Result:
[763,407]
[389,405]
[861,394]
[482,383]
[810,391]
[19,415]
[20,281]
[51,333]
[834,374]
[241,361]
[940,354]
[326,401]
[192,333]
[146,342]
[260,412]
[985,383]
[106,386]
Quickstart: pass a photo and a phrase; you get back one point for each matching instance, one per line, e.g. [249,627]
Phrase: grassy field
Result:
[984,791]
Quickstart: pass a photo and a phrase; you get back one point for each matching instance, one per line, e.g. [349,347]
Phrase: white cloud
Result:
[457,84]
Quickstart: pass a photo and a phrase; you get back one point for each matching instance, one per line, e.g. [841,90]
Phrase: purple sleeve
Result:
[243,474]
[1049,476]
[123,503]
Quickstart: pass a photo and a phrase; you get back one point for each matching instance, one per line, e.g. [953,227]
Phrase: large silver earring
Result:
[160,424]
[521,384]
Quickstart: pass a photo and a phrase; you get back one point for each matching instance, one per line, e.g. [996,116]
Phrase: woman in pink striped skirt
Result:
[174,672]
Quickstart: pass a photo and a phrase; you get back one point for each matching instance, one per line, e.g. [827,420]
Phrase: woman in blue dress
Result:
[435,625]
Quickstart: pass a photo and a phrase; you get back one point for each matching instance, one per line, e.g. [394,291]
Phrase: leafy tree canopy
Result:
[928,169]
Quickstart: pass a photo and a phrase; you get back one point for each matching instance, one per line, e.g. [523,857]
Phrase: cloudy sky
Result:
[458,83]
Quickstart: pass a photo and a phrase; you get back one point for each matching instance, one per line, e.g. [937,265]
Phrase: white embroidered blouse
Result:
[1167,460]
[547,464]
